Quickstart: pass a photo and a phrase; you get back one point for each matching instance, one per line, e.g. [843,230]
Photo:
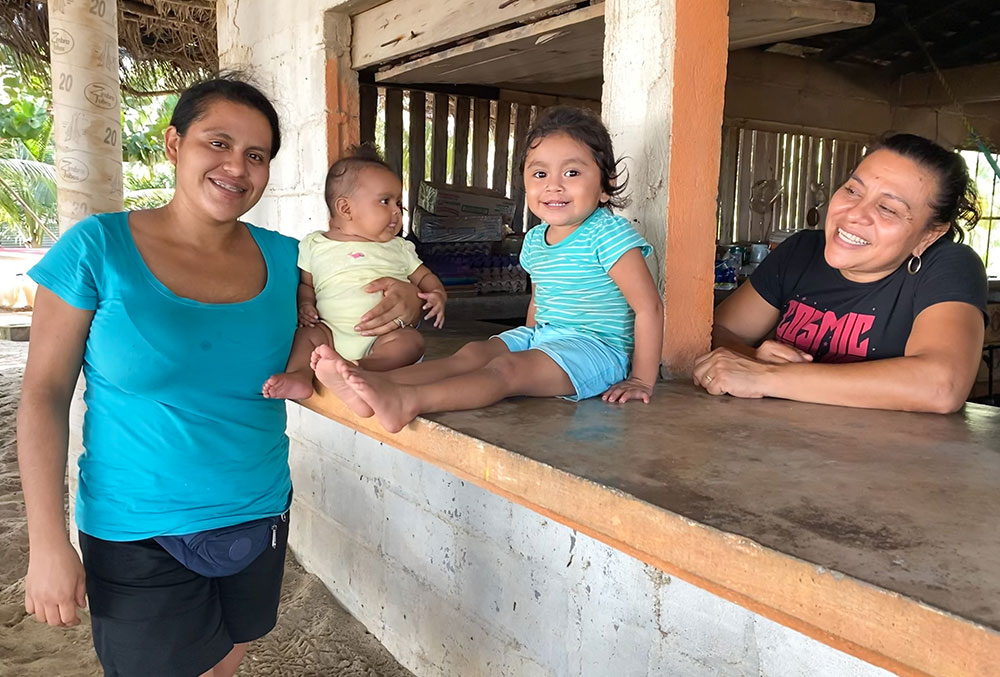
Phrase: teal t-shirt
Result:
[177,436]
[572,285]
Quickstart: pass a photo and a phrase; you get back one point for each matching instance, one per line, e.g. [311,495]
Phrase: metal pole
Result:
[86,106]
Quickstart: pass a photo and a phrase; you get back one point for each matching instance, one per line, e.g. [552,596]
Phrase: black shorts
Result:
[153,617]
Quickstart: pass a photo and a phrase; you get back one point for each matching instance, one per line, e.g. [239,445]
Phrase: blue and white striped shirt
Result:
[572,285]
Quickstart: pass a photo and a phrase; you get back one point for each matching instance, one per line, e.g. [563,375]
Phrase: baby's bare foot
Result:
[328,365]
[394,405]
[290,385]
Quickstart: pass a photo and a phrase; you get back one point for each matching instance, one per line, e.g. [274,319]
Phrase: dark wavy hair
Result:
[343,174]
[587,128]
[956,203]
[230,86]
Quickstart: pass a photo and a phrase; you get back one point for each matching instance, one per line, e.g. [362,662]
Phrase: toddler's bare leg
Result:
[468,358]
[393,350]
[530,372]
[296,382]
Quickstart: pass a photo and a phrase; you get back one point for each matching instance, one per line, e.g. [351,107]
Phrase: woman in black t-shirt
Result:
[882,309]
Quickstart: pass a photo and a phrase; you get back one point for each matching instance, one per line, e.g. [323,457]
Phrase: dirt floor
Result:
[315,636]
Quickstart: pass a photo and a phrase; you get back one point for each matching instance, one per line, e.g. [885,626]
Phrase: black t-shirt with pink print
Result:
[837,320]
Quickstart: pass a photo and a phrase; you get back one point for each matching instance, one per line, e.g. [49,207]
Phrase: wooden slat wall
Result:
[469,144]
[798,162]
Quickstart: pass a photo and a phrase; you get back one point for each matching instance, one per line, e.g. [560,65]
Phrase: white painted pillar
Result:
[86,105]
[636,105]
[664,92]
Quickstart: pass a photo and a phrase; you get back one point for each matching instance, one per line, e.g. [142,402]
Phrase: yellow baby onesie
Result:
[340,271]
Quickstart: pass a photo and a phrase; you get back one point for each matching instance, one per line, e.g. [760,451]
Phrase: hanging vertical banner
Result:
[86,106]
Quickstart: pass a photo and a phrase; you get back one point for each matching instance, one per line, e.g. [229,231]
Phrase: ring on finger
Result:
[399,322]
[708,379]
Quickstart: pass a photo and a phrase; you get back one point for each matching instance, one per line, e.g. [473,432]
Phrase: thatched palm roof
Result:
[162,42]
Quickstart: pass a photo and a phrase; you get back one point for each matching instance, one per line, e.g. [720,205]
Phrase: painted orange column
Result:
[699,91]
[343,116]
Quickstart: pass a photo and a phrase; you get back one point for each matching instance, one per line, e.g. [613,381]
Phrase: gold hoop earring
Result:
[912,268]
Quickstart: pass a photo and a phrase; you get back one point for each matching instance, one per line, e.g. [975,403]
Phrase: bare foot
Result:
[329,367]
[394,405]
[290,385]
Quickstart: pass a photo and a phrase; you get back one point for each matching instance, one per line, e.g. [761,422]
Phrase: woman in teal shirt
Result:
[176,315]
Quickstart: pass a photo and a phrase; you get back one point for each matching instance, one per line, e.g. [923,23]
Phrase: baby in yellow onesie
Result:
[361,245]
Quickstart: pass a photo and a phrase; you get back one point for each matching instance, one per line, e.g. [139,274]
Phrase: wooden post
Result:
[394,129]
[368,111]
[86,107]
[675,53]
[460,169]
[727,183]
[744,179]
[521,122]
[342,91]
[530,219]
[439,140]
[501,147]
[480,142]
[418,141]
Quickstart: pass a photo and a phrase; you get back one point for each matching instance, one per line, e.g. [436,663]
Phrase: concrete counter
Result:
[871,531]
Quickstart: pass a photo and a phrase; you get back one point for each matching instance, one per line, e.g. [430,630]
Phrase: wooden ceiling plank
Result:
[759,22]
[402,27]
[515,53]
[970,84]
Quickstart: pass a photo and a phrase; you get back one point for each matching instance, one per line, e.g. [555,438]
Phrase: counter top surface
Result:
[907,502]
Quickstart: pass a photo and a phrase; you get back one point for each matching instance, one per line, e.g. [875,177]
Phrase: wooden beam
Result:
[970,84]
[546,100]
[761,22]
[401,27]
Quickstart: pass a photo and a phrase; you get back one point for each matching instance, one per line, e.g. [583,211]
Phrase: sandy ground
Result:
[315,636]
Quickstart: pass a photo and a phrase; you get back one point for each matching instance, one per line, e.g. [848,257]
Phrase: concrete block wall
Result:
[455,580]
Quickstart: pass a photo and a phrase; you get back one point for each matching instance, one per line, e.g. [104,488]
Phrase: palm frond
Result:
[148,198]
[30,170]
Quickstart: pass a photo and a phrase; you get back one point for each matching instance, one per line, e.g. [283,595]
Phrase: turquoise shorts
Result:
[591,364]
